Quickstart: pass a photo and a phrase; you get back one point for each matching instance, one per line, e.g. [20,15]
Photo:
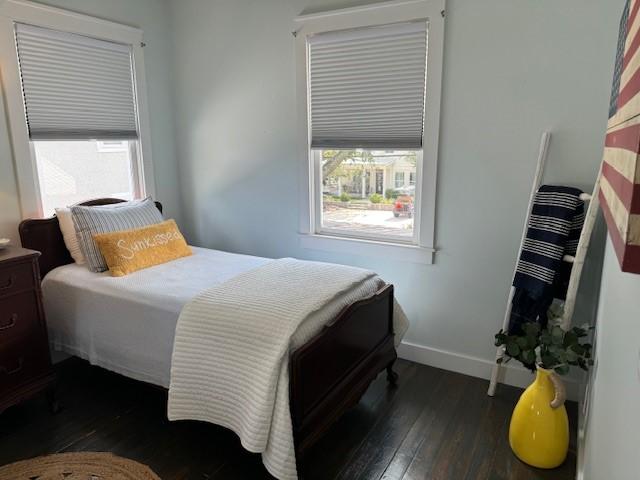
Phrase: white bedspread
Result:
[231,352]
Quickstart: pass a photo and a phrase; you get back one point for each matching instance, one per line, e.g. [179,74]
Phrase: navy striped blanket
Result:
[554,229]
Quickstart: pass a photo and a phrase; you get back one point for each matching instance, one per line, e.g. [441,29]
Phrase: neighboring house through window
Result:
[77,109]
[371,130]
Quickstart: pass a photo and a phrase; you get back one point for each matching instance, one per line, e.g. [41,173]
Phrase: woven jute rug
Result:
[77,466]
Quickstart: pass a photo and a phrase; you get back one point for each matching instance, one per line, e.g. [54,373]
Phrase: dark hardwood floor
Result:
[434,425]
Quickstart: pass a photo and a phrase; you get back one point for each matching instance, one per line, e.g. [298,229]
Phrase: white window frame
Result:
[22,11]
[422,248]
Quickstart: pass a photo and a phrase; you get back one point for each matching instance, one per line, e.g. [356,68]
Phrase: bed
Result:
[110,320]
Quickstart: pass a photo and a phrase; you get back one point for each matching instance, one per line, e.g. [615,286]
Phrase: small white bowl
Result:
[4,243]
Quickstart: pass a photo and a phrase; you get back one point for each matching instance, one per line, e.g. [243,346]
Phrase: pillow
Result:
[119,216]
[130,250]
[68,229]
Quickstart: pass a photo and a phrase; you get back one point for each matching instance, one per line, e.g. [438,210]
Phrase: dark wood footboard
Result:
[330,373]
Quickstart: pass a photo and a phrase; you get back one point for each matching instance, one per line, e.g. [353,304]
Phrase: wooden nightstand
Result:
[25,362]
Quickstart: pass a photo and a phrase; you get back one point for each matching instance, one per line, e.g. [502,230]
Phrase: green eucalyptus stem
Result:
[552,348]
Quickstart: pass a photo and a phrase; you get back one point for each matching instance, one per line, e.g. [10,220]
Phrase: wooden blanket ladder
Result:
[577,261]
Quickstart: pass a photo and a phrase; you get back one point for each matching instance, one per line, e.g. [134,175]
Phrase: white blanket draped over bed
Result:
[230,359]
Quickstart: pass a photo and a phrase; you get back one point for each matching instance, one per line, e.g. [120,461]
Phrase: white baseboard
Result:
[512,374]
[580,461]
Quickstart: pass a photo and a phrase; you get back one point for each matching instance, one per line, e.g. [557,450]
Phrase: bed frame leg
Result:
[52,400]
[392,376]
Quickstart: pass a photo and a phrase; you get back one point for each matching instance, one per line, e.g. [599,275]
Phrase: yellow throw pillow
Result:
[129,250]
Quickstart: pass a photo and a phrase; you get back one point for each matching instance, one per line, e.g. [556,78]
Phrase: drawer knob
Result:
[12,322]
[13,370]
[9,283]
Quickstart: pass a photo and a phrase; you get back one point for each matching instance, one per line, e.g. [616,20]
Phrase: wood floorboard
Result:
[442,393]
[452,459]
[336,449]
[429,451]
[435,425]
[380,446]
[489,435]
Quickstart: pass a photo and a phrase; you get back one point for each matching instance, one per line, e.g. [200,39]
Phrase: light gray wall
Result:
[612,429]
[512,69]
[151,16]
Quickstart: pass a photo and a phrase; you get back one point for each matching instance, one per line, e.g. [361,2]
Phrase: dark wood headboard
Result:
[44,235]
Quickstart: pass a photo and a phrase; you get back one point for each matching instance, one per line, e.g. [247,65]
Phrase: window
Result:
[355,197]
[371,124]
[76,105]
[72,171]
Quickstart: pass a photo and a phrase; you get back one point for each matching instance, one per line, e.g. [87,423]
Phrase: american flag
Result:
[620,182]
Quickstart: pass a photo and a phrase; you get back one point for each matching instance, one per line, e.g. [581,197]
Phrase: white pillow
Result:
[69,236]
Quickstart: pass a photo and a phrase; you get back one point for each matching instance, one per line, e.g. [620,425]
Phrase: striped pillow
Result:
[110,218]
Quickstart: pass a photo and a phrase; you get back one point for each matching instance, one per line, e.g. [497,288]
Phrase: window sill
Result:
[368,248]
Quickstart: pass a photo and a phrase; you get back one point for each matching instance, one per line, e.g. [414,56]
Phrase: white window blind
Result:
[367,87]
[75,87]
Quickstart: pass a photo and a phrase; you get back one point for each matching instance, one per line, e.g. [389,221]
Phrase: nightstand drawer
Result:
[15,278]
[21,363]
[25,363]
[19,318]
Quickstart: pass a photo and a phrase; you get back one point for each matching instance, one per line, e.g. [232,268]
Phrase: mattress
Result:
[127,324]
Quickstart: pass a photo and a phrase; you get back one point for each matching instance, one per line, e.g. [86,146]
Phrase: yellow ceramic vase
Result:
[539,429]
